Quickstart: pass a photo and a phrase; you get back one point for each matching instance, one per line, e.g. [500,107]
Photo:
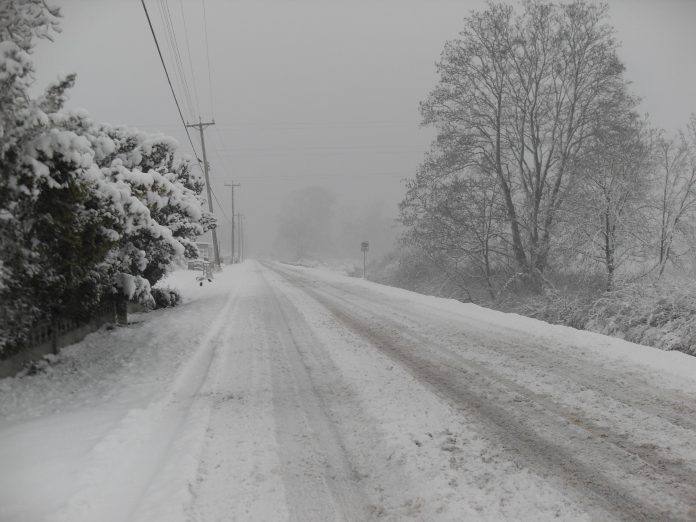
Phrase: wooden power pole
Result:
[200,126]
[240,233]
[232,245]
[364,246]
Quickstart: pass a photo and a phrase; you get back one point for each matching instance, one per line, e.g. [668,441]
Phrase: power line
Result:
[168,48]
[220,140]
[223,161]
[190,60]
[169,81]
[176,53]
[179,63]
[222,146]
[324,175]
[291,148]
[207,54]
[176,101]
[222,210]
[302,125]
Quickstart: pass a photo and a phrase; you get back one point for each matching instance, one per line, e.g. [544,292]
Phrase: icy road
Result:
[284,393]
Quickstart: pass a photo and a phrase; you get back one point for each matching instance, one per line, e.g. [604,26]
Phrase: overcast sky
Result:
[317,92]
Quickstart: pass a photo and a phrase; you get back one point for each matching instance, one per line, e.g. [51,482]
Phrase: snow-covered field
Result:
[282,392]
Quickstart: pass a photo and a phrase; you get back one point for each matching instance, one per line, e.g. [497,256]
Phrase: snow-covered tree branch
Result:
[88,212]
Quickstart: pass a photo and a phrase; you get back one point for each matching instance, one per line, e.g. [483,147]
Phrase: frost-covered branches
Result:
[675,194]
[456,218]
[606,221]
[541,160]
[519,98]
[87,211]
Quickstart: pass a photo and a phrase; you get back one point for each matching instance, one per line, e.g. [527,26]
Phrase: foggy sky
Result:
[313,92]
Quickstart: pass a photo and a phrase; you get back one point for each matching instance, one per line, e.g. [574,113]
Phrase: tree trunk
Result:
[609,251]
[121,310]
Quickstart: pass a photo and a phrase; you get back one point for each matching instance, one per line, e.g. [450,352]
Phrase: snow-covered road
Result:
[285,393]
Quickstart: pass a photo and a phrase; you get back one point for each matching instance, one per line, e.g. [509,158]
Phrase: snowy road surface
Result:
[283,393]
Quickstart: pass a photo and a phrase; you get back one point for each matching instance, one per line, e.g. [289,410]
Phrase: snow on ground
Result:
[611,421]
[61,429]
[430,464]
[290,393]
[346,267]
[611,348]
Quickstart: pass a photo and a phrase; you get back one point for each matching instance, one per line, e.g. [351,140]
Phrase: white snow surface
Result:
[612,348]
[289,393]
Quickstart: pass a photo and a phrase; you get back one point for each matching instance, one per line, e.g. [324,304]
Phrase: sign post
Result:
[365,246]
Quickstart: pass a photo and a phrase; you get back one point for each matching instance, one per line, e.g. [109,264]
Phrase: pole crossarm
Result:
[200,124]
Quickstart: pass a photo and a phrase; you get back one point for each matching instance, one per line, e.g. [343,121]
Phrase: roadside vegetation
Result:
[89,213]
[546,192]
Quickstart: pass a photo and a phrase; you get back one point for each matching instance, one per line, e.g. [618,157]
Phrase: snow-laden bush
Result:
[88,212]
[165,297]
[661,315]
[557,307]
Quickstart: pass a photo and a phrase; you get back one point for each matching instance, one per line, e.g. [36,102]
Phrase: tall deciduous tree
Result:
[675,192]
[457,219]
[519,96]
[608,221]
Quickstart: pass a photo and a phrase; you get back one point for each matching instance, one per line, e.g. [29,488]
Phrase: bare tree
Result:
[519,95]
[608,222]
[676,191]
[457,220]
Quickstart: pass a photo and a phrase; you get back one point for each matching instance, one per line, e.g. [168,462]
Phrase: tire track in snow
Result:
[650,423]
[170,492]
[623,399]
[238,475]
[470,387]
[673,405]
[320,482]
[124,464]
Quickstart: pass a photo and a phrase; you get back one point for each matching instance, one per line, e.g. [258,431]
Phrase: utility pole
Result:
[232,245]
[364,246]
[241,236]
[200,126]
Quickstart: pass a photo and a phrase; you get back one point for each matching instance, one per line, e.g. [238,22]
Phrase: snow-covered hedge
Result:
[165,297]
[88,211]
[662,314]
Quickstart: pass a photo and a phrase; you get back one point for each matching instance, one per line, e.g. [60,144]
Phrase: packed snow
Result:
[287,393]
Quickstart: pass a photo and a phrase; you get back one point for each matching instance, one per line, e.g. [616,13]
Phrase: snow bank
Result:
[340,266]
[610,348]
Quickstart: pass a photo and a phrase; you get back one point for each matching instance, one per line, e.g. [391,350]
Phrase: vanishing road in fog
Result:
[287,393]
